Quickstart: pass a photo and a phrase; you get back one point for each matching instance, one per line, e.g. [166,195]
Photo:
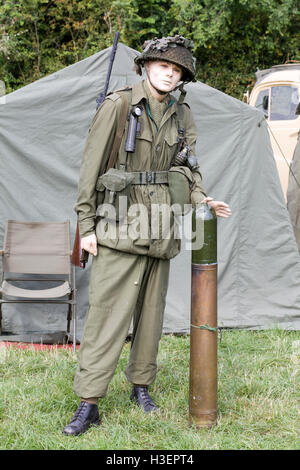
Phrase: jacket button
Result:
[151,193]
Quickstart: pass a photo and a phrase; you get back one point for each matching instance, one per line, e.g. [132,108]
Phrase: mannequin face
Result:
[162,76]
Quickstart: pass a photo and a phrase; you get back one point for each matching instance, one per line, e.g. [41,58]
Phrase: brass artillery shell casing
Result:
[203,405]
[203,396]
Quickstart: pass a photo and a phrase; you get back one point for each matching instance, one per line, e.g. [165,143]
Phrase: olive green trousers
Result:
[123,287]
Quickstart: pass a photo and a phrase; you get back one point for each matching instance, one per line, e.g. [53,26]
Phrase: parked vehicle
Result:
[277,94]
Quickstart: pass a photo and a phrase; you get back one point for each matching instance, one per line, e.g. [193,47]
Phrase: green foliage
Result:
[232,37]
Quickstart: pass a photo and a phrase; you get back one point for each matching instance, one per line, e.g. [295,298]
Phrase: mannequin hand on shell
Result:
[221,208]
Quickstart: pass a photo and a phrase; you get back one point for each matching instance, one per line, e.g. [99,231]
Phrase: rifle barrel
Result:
[102,96]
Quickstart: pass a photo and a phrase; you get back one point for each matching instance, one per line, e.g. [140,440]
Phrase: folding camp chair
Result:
[38,248]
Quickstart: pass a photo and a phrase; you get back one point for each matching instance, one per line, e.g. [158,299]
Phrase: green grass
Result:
[258,398]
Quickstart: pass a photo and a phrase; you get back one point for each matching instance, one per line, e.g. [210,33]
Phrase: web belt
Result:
[149,177]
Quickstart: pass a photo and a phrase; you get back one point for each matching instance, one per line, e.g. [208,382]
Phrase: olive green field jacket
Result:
[154,151]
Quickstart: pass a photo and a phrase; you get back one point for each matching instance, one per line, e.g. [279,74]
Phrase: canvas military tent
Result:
[43,128]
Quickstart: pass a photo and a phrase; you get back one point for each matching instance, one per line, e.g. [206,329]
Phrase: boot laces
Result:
[146,397]
[78,414]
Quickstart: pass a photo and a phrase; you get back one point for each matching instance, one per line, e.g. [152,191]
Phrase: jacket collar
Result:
[139,93]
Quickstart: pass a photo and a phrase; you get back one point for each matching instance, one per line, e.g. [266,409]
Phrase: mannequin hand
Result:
[89,244]
[221,208]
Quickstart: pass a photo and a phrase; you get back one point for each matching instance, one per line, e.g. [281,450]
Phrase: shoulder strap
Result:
[181,123]
[119,132]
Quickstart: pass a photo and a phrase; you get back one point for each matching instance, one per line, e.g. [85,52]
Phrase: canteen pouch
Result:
[180,179]
[111,186]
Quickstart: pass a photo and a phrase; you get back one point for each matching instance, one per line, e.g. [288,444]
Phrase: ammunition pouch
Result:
[180,179]
[110,187]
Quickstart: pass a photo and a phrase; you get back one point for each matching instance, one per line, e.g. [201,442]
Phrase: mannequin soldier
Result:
[129,276]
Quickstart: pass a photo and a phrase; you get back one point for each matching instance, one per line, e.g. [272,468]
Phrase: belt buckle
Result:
[148,177]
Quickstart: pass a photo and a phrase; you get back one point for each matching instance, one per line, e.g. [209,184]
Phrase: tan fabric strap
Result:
[52,293]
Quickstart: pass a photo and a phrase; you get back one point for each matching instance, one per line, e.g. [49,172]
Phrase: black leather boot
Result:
[141,396]
[86,414]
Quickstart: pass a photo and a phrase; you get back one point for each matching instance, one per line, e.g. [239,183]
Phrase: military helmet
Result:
[174,49]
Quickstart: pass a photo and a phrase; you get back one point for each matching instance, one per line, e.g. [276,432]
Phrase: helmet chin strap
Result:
[182,92]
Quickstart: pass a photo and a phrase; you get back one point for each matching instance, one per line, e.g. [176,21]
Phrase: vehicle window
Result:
[262,101]
[284,101]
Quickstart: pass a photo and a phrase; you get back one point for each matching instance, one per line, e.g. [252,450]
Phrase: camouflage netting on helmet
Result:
[174,49]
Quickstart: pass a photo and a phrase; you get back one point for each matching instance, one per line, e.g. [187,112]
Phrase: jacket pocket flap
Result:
[172,137]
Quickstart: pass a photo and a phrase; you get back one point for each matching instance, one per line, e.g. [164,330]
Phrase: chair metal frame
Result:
[71,301]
